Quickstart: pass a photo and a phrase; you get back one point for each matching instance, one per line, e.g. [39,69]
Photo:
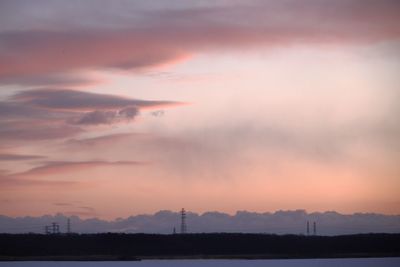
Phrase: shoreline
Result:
[194,257]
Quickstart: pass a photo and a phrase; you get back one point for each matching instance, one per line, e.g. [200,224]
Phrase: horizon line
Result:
[189,212]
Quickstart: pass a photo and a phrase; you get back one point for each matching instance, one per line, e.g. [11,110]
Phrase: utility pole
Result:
[315,228]
[183,222]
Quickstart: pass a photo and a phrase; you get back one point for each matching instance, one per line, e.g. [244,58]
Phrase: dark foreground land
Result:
[190,246]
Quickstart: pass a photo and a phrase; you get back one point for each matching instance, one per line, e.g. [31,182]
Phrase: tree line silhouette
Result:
[200,245]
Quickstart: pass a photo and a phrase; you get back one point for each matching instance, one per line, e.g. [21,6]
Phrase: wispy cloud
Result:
[35,176]
[64,99]
[69,80]
[70,166]
[31,130]
[62,204]
[73,209]
[43,114]
[13,157]
[106,117]
[103,140]
[10,181]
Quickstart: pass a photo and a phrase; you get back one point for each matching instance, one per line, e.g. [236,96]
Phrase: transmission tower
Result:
[183,221]
[55,227]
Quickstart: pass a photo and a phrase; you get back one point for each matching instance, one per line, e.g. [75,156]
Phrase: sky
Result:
[164,222]
[117,108]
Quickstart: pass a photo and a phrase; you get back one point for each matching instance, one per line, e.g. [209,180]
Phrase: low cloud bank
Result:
[280,222]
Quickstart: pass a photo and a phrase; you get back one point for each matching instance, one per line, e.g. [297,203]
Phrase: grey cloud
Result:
[280,222]
[27,115]
[11,110]
[96,117]
[21,121]
[129,112]
[48,80]
[107,117]
[13,157]
[79,100]
[158,113]
[101,14]
[136,36]
[45,115]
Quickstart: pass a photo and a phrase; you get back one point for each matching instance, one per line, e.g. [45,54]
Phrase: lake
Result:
[364,262]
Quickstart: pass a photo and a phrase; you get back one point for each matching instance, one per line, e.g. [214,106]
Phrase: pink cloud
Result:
[30,130]
[103,140]
[30,177]
[69,166]
[52,52]
[163,36]
[6,181]
[43,114]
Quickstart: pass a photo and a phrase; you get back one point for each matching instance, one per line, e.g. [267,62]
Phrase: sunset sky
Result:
[116,108]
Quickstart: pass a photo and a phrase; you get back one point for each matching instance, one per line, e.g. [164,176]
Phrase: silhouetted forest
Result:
[199,245]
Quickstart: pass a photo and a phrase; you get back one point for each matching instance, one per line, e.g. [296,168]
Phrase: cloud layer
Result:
[137,36]
[12,157]
[41,114]
[280,222]
[293,101]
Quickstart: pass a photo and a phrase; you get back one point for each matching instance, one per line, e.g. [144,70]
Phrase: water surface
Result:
[370,262]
